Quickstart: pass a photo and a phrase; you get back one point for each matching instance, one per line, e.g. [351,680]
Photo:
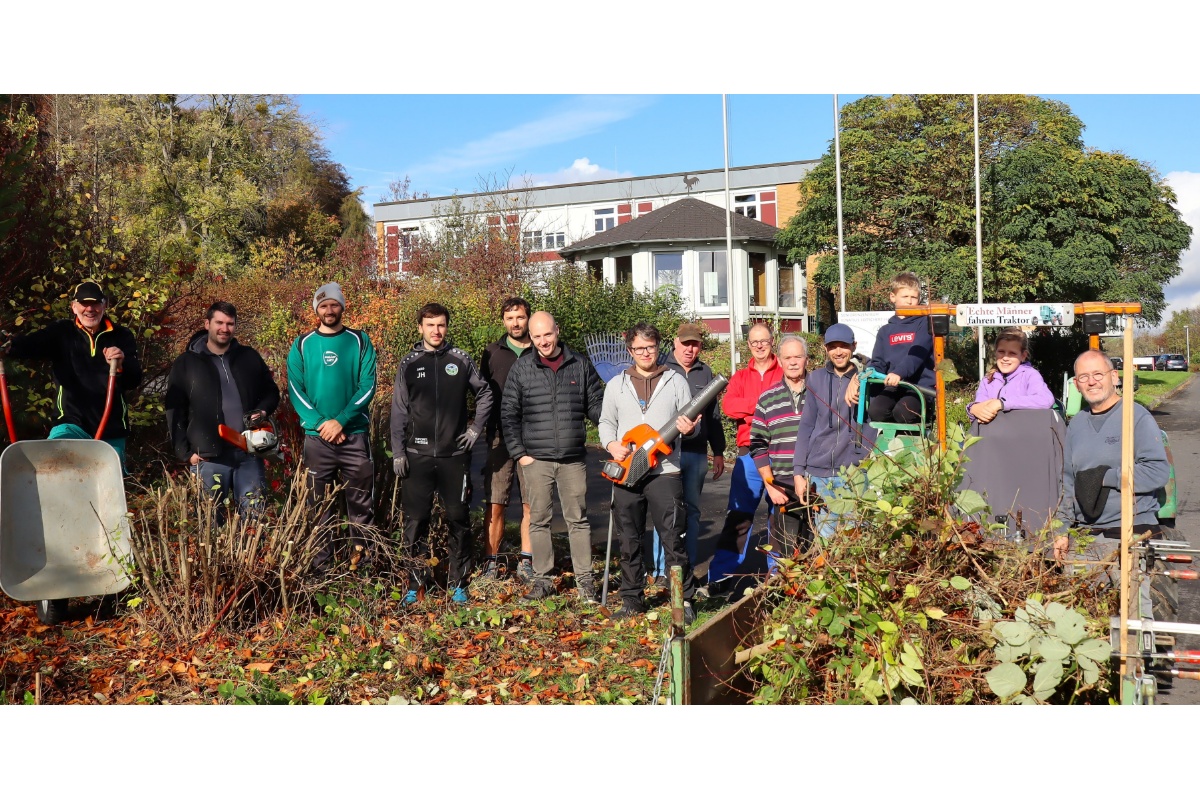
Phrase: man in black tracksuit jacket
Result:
[78,350]
[546,401]
[219,381]
[431,443]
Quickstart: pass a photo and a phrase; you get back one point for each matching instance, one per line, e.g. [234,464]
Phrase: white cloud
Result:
[580,171]
[1184,291]
[578,117]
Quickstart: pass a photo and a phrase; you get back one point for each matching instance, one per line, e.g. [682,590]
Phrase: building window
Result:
[536,241]
[714,278]
[758,279]
[791,289]
[606,218]
[668,270]
[596,268]
[624,269]
[398,244]
[746,205]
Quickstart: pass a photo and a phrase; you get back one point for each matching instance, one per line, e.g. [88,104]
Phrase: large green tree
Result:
[1060,221]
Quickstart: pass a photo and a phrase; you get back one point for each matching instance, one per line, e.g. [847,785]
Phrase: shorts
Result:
[498,472]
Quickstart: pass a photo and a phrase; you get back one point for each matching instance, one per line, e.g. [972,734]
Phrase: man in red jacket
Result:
[746,486]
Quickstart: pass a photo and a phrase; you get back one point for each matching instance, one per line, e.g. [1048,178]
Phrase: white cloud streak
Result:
[580,171]
[578,117]
[1184,291]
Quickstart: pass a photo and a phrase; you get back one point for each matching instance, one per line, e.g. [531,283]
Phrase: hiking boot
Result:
[689,613]
[540,591]
[662,582]
[525,571]
[459,595]
[491,572]
[410,597]
[629,608]
[586,588]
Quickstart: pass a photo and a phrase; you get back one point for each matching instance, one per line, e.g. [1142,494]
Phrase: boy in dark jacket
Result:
[217,380]
[903,352]
[79,350]
[829,437]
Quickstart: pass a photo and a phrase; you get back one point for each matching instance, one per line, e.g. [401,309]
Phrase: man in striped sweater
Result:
[772,443]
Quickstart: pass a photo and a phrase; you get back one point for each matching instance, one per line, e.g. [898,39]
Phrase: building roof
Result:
[611,190]
[688,219]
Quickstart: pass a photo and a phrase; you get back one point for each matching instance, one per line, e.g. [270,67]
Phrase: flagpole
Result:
[978,239]
[729,272]
[837,161]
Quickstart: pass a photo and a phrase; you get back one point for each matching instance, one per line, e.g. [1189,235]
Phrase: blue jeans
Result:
[246,477]
[693,468]
[826,521]
[745,493]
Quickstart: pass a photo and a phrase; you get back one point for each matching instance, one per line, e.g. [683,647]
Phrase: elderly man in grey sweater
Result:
[1092,462]
[652,394]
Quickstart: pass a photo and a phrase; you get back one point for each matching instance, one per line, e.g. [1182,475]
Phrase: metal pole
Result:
[1188,336]
[732,283]
[837,164]
[978,238]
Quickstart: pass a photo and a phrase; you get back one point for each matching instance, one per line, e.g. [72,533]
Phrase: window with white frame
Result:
[668,270]
[791,283]
[714,278]
[624,266]
[746,205]
[398,244]
[606,218]
[758,279]
[538,241]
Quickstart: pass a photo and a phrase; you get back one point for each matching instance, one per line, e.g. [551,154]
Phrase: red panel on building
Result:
[717,324]
[538,258]
[645,208]
[768,213]
[624,213]
[767,196]
[392,245]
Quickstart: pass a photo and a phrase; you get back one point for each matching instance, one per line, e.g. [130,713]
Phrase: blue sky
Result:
[449,143]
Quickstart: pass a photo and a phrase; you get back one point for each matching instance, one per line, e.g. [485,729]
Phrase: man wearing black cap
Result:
[79,351]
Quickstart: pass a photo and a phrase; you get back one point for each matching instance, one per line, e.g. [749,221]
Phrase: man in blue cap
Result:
[830,437]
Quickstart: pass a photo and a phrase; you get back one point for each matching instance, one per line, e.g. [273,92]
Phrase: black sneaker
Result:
[662,582]
[587,591]
[540,591]
[629,608]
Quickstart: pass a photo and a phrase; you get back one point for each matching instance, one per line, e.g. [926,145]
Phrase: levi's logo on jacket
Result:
[902,338]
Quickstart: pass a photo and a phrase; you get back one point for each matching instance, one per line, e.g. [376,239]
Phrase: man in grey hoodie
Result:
[652,394]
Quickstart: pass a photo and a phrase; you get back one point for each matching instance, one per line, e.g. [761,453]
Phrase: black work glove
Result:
[400,466]
[1090,492]
[466,440]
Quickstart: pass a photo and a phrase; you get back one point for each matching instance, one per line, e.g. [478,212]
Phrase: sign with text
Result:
[865,325]
[1021,314]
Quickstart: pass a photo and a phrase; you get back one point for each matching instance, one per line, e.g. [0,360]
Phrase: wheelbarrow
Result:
[63,527]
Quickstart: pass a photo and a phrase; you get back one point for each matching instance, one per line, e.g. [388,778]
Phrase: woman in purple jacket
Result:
[1011,383]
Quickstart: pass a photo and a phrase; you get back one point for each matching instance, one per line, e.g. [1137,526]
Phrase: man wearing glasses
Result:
[1091,498]
[745,485]
[647,393]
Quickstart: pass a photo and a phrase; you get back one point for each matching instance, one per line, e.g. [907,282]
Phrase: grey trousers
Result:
[570,477]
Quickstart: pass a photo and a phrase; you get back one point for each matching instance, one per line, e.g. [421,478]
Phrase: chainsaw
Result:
[648,446]
[258,438]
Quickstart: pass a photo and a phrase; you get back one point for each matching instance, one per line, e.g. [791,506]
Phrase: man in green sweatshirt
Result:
[331,380]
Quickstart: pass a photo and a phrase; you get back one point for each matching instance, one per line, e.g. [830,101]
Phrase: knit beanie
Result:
[330,291]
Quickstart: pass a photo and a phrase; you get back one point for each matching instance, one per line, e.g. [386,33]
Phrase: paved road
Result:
[1180,418]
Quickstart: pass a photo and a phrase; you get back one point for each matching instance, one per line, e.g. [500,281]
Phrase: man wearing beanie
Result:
[331,380]
[79,350]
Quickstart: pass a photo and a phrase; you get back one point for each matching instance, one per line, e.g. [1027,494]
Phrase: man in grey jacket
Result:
[547,399]
[647,393]
[1092,462]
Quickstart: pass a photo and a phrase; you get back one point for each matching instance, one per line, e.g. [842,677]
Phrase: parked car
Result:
[1175,361]
[1144,362]
[1160,362]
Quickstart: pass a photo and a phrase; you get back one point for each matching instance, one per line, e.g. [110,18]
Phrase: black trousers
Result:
[662,496]
[894,404]
[347,463]
[450,478]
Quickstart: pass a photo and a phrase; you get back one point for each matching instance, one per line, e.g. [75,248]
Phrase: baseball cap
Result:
[839,332]
[689,332]
[88,292]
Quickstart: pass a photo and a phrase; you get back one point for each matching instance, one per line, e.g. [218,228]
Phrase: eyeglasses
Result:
[1091,377]
[643,351]
[760,342]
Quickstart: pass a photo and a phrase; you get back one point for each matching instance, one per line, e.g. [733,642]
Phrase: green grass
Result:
[1153,385]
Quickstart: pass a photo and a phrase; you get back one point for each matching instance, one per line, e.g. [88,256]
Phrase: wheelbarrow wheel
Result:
[52,612]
